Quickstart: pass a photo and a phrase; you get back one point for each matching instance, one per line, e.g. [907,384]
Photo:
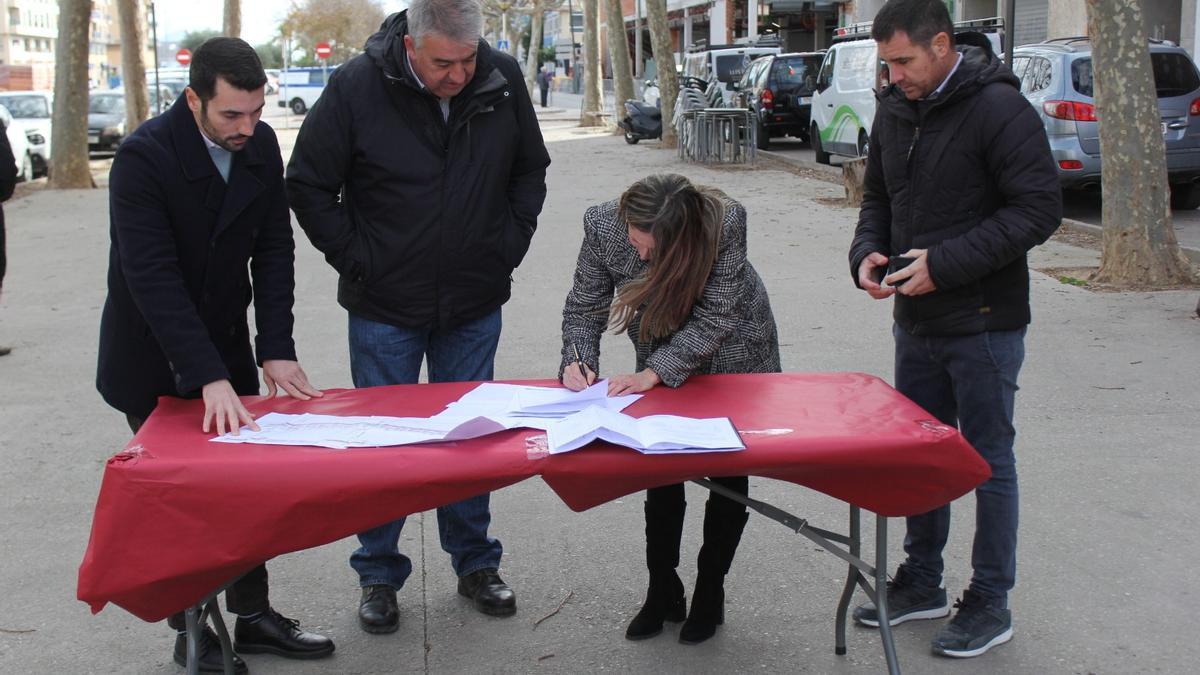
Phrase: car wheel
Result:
[630,138]
[1185,196]
[26,168]
[298,106]
[821,156]
[762,138]
[864,143]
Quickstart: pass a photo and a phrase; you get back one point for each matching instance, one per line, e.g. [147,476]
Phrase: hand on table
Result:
[572,380]
[633,384]
[222,405]
[289,376]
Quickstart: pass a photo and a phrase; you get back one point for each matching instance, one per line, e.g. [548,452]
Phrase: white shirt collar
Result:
[937,92]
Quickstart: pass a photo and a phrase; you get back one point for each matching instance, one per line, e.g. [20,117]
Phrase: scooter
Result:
[641,120]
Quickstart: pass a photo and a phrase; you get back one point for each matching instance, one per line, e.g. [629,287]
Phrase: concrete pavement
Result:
[1107,419]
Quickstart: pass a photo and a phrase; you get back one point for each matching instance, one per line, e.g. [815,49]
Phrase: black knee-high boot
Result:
[724,521]
[665,600]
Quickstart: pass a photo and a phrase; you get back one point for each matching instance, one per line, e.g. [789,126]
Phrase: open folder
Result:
[651,435]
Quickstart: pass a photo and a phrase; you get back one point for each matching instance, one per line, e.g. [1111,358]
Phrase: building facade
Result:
[29,37]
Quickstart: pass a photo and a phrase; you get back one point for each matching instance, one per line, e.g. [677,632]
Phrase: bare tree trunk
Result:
[1139,245]
[69,122]
[593,92]
[664,61]
[618,47]
[535,46]
[232,26]
[133,64]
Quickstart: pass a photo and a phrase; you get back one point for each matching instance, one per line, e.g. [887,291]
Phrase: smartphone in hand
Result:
[897,263]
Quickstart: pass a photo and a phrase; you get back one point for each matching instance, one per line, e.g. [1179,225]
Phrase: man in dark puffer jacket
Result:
[961,181]
[420,174]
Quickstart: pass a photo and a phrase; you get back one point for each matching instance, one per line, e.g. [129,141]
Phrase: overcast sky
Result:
[260,18]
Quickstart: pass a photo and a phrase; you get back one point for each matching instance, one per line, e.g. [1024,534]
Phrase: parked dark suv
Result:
[778,89]
[1056,77]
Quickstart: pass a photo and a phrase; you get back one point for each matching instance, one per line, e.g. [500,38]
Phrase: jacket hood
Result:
[386,50]
[978,69]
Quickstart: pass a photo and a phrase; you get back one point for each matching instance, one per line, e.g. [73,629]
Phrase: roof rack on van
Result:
[862,30]
[992,22]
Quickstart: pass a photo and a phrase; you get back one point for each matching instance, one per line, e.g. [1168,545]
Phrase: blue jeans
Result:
[382,354]
[969,382]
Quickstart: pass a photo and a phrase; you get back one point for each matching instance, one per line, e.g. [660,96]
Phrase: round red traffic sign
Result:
[323,50]
[183,56]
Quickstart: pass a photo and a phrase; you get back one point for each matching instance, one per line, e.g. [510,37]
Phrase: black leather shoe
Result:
[378,611]
[489,592]
[274,633]
[209,650]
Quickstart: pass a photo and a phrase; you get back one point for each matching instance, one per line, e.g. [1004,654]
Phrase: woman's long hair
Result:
[685,222]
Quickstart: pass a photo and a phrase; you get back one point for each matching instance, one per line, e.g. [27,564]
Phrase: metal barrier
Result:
[717,136]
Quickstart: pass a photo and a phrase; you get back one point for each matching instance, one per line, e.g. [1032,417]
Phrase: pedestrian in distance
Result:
[545,77]
[666,263]
[8,182]
[420,174]
[959,185]
[197,200]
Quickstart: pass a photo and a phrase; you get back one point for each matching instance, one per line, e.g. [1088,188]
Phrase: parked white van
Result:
[843,105]
[725,63]
[299,88]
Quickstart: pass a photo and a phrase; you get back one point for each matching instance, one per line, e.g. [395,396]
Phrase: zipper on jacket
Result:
[915,138]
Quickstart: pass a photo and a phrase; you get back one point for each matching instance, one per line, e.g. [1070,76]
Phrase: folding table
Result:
[178,517]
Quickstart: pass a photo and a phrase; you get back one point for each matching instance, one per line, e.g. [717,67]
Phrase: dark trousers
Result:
[968,381]
[668,495]
[545,92]
[247,595]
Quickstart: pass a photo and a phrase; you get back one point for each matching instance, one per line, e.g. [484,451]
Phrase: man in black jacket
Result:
[420,173]
[8,182]
[196,196]
[960,184]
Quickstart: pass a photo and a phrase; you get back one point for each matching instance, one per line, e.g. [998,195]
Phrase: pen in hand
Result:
[579,362]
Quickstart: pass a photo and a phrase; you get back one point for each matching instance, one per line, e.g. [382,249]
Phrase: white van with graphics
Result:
[843,105]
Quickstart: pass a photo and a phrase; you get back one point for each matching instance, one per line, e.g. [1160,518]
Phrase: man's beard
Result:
[214,135]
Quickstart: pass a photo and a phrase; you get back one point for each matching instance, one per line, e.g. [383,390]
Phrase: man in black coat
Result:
[8,181]
[420,174]
[960,184]
[196,199]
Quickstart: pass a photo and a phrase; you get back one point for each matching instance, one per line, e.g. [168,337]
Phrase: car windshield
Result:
[109,104]
[796,71]
[1174,75]
[26,107]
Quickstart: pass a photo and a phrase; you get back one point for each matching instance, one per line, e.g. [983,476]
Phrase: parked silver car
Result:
[1056,77]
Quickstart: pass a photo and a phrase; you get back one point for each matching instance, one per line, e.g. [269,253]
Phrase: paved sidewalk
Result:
[1107,418]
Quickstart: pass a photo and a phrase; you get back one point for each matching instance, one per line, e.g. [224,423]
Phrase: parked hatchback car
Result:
[30,112]
[1056,77]
[106,120]
[778,89]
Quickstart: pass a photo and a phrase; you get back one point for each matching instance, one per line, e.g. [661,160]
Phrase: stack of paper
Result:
[651,435]
[489,408]
[570,419]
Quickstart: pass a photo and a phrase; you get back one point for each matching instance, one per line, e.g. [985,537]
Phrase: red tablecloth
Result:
[178,516]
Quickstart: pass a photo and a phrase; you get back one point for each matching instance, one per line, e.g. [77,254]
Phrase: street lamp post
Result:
[154,33]
[637,39]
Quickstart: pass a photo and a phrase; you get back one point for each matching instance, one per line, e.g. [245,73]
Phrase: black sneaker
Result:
[975,629]
[906,600]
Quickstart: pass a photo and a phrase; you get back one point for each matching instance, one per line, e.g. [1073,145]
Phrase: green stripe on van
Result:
[842,118]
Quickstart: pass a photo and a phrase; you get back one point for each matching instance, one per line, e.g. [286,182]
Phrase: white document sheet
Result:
[489,408]
[341,432]
[651,435]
